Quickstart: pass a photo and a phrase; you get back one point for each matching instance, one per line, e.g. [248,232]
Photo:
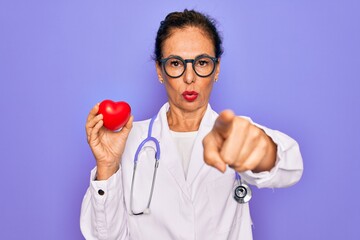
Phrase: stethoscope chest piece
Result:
[242,192]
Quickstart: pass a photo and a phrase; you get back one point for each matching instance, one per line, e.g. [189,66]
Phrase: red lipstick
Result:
[190,96]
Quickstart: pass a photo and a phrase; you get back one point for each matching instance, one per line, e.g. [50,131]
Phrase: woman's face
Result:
[189,92]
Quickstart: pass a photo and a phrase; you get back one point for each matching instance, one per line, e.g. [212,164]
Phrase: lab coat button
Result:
[101,192]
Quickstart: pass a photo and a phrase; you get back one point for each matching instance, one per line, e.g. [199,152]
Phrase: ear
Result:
[159,72]
[217,70]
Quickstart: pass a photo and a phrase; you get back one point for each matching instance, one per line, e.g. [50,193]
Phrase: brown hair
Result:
[184,19]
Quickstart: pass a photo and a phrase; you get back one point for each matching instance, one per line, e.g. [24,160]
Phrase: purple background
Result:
[290,65]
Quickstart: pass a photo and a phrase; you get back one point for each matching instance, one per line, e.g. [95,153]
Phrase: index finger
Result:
[93,112]
[211,153]
[224,122]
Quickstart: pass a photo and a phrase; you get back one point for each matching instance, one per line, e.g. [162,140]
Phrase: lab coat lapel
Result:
[169,157]
[197,163]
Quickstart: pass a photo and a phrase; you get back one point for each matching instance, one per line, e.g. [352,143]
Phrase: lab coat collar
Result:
[170,159]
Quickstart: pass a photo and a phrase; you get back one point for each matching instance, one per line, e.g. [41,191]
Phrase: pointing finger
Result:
[223,123]
[212,154]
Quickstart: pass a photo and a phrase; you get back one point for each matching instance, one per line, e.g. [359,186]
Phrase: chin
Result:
[192,106]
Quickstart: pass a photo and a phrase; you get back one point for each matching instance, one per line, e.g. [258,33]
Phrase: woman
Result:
[191,196]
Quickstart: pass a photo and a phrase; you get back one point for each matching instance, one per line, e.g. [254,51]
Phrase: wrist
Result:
[105,172]
[268,162]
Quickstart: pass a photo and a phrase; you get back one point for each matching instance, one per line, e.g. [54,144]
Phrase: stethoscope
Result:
[241,193]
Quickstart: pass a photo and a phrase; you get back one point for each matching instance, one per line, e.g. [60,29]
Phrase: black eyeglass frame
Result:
[192,61]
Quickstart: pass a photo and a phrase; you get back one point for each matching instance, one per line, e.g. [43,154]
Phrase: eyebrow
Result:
[202,54]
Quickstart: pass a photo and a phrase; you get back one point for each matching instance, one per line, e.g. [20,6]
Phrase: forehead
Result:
[188,42]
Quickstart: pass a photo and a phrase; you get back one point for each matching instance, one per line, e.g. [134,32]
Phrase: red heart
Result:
[116,114]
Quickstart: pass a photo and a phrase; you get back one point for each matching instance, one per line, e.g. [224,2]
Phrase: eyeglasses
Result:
[175,66]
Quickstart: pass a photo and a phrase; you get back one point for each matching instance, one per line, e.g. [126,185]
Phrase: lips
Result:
[190,96]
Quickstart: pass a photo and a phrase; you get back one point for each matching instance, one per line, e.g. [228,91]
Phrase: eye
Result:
[202,62]
[175,63]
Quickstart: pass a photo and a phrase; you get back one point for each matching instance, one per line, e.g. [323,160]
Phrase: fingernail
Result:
[220,166]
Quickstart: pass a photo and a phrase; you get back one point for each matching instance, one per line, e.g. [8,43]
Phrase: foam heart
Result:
[116,114]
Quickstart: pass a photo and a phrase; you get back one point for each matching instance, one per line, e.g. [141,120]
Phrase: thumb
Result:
[128,126]
[223,123]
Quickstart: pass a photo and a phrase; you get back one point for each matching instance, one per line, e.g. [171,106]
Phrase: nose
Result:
[189,74]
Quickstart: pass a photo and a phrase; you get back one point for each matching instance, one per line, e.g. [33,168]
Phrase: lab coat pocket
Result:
[224,209]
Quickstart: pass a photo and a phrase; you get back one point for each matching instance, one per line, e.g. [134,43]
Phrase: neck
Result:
[184,121]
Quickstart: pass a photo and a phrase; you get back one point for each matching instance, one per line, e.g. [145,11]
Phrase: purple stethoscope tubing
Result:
[149,138]
[242,192]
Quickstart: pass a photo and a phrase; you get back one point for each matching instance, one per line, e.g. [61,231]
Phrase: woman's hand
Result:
[234,141]
[107,146]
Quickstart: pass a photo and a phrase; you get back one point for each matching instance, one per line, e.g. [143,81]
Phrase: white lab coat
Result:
[199,207]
